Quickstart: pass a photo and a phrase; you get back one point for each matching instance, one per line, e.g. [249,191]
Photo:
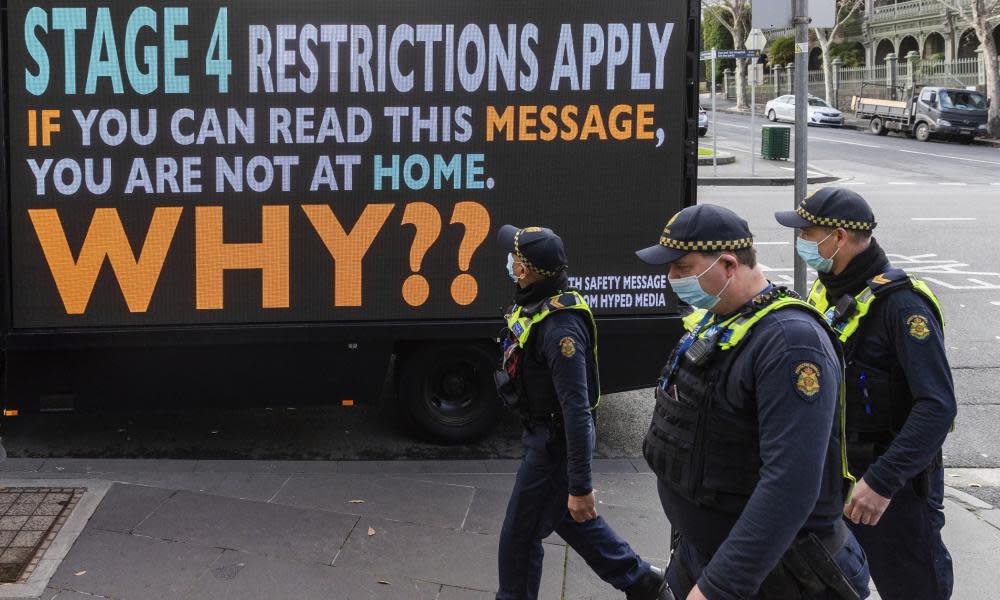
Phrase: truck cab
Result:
[949,113]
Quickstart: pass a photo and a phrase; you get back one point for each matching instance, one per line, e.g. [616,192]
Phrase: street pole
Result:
[801,21]
[715,148]
[753,114]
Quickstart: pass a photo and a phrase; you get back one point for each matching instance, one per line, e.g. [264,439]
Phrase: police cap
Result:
[539,248]
[830,207]
[701,228]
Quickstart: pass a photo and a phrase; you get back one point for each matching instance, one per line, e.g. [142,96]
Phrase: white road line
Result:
[997,183]
[902,183]
[995,303]
[810,172]
[987,162]
[819,139]
[943,219]
[952,182]
[853,183]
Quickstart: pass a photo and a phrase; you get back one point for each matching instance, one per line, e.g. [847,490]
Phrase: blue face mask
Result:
[689,290]
[510,267]
[809,251]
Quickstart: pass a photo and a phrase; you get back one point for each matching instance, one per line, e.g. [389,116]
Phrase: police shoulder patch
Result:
[806,376]
[567,346]
[918,327]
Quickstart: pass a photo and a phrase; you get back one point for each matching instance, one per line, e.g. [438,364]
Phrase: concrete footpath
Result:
[414,530]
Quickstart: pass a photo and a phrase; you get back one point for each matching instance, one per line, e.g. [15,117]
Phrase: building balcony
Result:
[901,11]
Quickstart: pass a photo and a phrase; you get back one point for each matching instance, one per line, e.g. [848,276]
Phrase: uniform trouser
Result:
[537,508]
[907,555]
[850,559]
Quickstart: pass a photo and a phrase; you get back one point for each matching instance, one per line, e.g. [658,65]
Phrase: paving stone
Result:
[612,465]
[454,593]
[126,566]
[386,497]
[124,506]
[458,559]
[250,486]
[249,577]
[583,584]
[27,539]
[277,467]
[255,527]
[637,490]
[12,465]
[432,466]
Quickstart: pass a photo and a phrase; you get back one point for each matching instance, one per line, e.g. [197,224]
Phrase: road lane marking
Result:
[819,139]
[951,183]
[853,183]
[902,183]
[995,303]
[943,219]
[976,160]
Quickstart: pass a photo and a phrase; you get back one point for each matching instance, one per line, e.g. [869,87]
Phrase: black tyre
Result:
[447,391]
[922,132]
[965,140]
[702,132]
[771,116]
[877,127]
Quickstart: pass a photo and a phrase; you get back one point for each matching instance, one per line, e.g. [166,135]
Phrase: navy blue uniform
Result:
[908,557]
[557,463]
[800,489]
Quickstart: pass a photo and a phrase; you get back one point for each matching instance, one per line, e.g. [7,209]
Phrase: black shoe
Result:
[651,586]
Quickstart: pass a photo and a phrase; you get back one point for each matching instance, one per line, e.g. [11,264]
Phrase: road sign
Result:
[737,54]
[706,55]
[756,40]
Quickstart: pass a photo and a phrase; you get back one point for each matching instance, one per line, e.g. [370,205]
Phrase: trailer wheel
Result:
[877,127]
[771,116]
[922,132]
[447,391]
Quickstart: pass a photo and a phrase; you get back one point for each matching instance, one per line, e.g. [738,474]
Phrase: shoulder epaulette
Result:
[889,281]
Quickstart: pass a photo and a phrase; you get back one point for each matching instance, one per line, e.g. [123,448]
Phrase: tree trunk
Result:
[739,42]
[824,46]
[980,23]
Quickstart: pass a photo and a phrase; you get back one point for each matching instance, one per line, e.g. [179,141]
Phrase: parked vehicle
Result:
[948,113]
[702,122]
[820,112]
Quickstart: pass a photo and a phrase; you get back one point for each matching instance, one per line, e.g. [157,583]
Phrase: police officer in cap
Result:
[900,395]
[550,378]
[746,435]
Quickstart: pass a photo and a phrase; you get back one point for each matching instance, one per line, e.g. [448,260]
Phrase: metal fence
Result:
[847,81]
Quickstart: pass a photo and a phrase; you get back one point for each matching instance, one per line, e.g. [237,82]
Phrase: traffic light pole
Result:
[800,18]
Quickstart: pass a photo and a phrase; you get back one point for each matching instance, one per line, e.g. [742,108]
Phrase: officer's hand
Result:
[696,594]
[582,508]
[866,507]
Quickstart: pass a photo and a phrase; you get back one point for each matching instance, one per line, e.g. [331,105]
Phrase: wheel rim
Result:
[922,132]
[452,392]
[771,115]
[876,126]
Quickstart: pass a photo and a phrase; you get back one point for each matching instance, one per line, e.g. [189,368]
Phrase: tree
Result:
[825,37]
[714,35]
[781,51]
[979,13]
[734,15]
[850,54]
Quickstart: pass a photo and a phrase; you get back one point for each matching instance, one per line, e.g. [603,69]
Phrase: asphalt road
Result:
[937,206]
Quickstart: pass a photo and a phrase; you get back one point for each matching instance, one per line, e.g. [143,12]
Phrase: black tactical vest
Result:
[700,445]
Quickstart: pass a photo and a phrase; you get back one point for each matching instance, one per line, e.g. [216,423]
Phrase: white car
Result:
[702,122]
[782,108]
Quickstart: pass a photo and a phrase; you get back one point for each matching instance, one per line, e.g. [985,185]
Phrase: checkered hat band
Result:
[830,222]
[706,246]
[524,259]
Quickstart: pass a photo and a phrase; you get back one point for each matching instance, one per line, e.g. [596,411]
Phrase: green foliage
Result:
[715,35]
[781,51]
[849,53]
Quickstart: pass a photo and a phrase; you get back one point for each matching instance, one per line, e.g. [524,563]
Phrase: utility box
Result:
[775,142]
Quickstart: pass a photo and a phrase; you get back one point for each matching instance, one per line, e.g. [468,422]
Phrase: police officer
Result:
[900,396]
[746,435]
[550,378]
